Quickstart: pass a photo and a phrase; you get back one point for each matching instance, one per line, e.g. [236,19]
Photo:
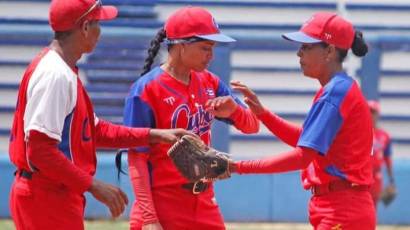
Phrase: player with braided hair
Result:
[333,147]
[180,93]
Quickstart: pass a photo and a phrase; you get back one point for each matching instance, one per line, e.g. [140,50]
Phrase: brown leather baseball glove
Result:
[197,161]
[388,195]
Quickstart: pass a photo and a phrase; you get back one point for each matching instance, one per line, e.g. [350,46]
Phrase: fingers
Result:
[124,197]
[119,202]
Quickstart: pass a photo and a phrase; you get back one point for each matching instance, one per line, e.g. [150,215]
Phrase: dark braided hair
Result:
[153,50]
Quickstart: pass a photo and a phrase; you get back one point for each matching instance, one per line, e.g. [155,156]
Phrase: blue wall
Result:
[242,198]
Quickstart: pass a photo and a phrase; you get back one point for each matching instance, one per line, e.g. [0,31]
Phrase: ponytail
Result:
[153,50]
[359,47]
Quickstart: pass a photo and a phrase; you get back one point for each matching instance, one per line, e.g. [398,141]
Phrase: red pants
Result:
[347,209]
[179,209]
[38,204]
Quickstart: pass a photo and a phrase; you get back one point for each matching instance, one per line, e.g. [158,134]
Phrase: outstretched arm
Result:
[284,130]
[118,136]
[296,159]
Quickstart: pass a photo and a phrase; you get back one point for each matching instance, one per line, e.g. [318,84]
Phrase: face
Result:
[91,31]
[197,55]
[375,116]
[313,58]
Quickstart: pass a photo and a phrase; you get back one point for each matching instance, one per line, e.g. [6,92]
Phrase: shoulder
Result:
[52,71]
[337,89]
[144,81]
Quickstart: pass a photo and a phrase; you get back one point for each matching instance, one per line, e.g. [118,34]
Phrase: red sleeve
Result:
[298,158]
[43,153]
[244,120]
[117,136]
[140,179]
[284,130]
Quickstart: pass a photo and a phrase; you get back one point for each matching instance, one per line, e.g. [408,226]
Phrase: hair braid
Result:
[153,50]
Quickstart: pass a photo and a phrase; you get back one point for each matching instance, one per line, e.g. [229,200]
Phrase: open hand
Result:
[250,97]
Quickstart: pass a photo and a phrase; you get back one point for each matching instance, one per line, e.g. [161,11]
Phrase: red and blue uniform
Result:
[334,150]
[339,128]
[381,154]
[158,100]
[52,144]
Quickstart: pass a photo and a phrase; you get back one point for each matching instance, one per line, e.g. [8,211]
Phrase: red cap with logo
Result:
[65,14]
[191,22]
[325,27]
[374,105]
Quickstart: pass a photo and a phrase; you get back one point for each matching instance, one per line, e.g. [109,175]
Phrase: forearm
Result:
[49,161]
[389,167]
[117,136]
[244,120]
[140,180]
[284,130]
[296,159]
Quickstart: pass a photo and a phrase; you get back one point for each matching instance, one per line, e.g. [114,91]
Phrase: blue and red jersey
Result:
[157,100]
[339,128]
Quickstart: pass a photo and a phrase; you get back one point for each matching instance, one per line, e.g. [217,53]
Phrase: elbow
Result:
[252,129]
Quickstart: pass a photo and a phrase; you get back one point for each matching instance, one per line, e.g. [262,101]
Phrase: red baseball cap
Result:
[374,105]
[65,14]
[325,27]
[191,22]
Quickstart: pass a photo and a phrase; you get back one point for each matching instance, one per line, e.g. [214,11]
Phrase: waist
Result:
[337,185]
[38,180]
[196,187]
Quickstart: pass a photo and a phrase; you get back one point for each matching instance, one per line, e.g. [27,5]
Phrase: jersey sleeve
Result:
[322,124]
[138,113]
[223,90]
[388,150]
[51,96]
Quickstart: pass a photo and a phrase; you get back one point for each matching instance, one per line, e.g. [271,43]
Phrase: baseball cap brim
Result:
[300,37]
[217,37]
[105,13]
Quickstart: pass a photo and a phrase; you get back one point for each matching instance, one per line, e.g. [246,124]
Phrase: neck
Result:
[177,71]
[329,73]
[68,51]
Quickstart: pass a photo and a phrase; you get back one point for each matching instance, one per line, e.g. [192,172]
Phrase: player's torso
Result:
[177,105]
[349,154]
[81,152]
[78,139]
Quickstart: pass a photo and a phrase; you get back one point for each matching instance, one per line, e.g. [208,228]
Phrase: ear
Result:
[331,53]
[85,27]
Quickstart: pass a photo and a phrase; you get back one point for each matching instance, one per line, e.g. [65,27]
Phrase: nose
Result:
[299,53]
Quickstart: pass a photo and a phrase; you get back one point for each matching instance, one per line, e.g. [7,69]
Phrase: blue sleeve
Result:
[137,113]
[388,151]
[224,90]
[321,126]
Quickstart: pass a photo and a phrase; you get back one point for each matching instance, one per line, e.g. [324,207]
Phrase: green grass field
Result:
[123,225]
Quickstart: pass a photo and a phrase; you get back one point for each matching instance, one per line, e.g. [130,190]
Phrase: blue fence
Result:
[242,198]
